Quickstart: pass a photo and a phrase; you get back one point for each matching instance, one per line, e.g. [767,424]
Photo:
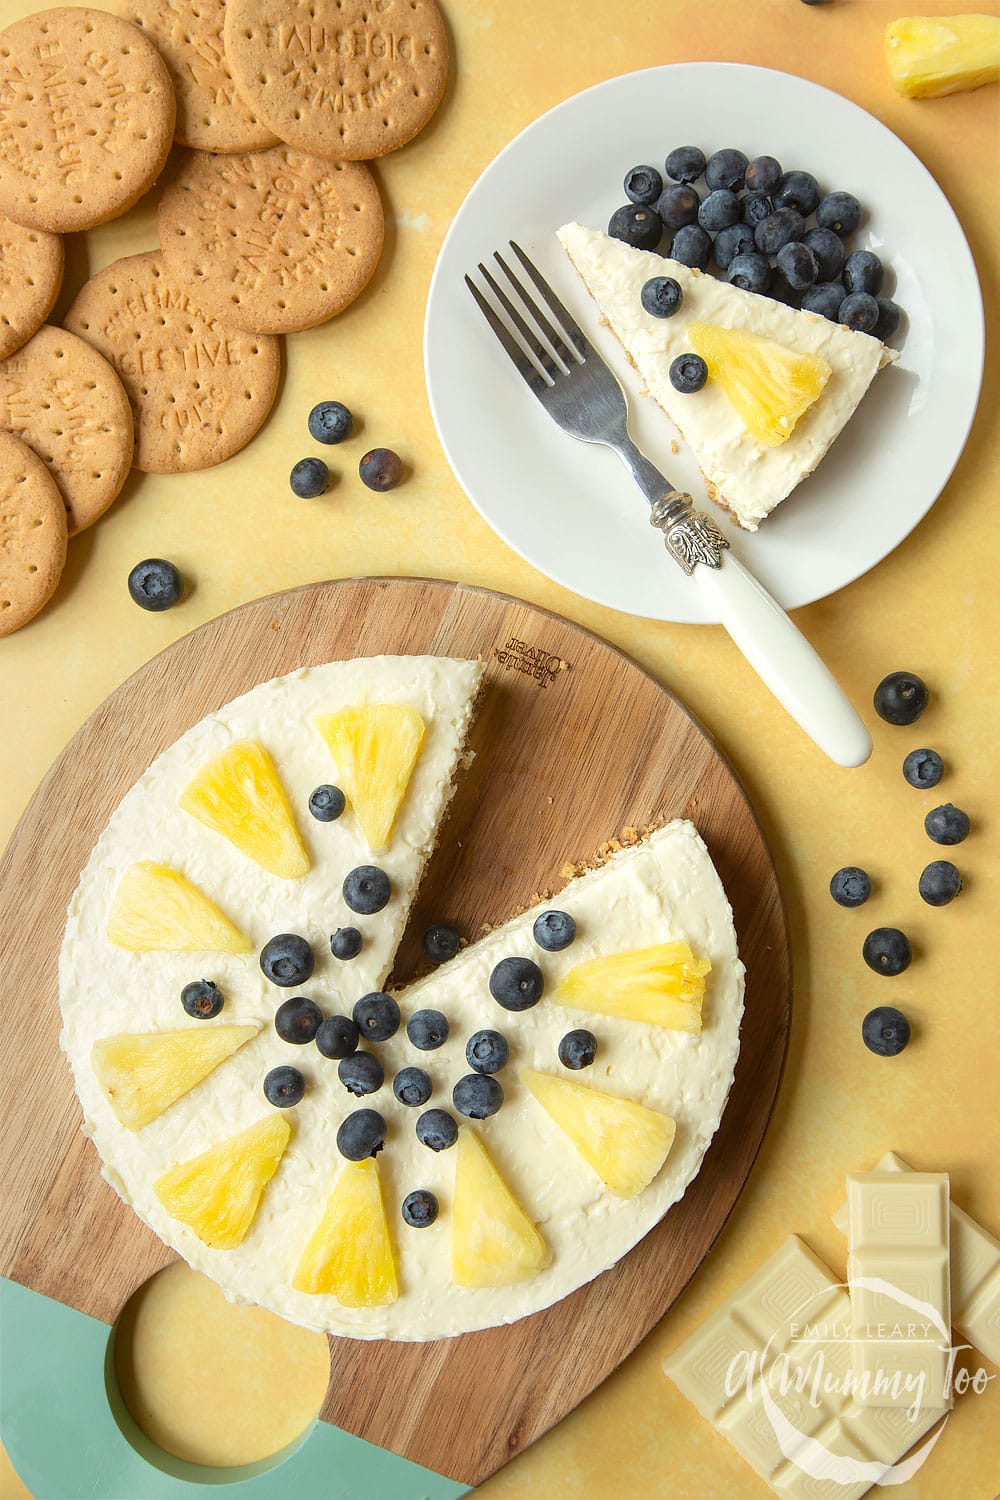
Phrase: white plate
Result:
[569,508]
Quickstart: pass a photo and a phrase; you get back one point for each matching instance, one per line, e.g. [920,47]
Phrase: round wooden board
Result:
[573,743]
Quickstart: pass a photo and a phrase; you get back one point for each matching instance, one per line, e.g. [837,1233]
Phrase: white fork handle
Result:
[785,662]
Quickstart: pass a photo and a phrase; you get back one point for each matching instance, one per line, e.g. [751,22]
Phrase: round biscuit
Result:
[211,114]
[275,241]
[31,272]
[350,79]
[87,115]
[63,399]
[199,388]
[32,534]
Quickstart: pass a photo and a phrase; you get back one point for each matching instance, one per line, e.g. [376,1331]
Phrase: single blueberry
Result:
[577,1049]
[367,889]
[797,190]
[345,943]
[326,803]
[337,1037]
[850,886]
[798,265]
[779,228]
[889,314]
[441,942]
[487,1051]
[688,373]
[825,299]
[751,272]
[763,174]
[309,477]
[864,272]
[554,930]
[436,1129]
[887,951]
[884,1030]
[477,1096]
[735,239]
[202,999]
[947,824]
[284,1087]
[829,251]
[840,212]
[330,422]
[721,209]
[859,311]
[420,1208]
[923,768]
[361,1134]
[900,698]
[643,185]
[287,960]
[361,1073]
[685,163]
[155,584]
[677,205]
[412,1086]
[939,882]
[692,246]
[756,208]
[380,469]
[637,225]
[661,296]
[726,169]
[427,1030]
[297,1020]
[516,983]
[779,290]
[376,1016]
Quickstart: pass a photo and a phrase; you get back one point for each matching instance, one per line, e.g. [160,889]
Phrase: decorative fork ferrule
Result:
[691,537]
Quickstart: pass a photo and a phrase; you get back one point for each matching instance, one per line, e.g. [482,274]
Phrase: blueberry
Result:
[947,824]
[859,311]
[779,228]
[361,1073]
[939,882]
[923,768]
[884,1030]
[345,943]
[829,251]
[427,1030]
[797,190]
[330,422]
[763,174]
[477,1096]
[420,1208]
[726,169]
[516,983]
[577,1049]
[863,272]
[554,930]
[287,960]
[366,889]
[284,1087]
[851,886]
[412,1086]
[756,208]
[155,584]
[437,1129]
[815,2]
[677,205]
[643,185]
[685,163]
[840,212]
[441,942]
[310,477]
[720,210]
[361,1134]
[376,1016]
[779,290]
[888,319]
[661,296]
[688,373]
[887,950]
[900,698]
[337,1037]
[735,239]
[487,1051]
[824,298]
[752,272]
[637,225]
[380,469]
[202,999]
[692,246]
[798,265]
[326,803]
[297,1020]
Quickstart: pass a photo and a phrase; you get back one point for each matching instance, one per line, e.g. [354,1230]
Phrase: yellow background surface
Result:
[931,607]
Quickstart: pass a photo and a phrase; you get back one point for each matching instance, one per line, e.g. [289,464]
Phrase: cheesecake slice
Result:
[743,474]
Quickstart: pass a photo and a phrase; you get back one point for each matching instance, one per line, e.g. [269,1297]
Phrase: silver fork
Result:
[582,394]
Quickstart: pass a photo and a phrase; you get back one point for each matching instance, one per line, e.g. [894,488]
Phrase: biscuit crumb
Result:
[675,446]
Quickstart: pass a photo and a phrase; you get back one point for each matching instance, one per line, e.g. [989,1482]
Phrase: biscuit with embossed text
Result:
[199,388]
[31,271]
[32,534]
[275,241]
[351,79]
[63,399]
[87,115]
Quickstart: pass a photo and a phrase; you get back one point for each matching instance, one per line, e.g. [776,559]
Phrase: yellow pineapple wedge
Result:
[375,748]
[929,56]
[625,1143]
[218,1193]
[493,1242]
[350,1254]
[143,1074]
[239,795]
[155,908]
[663,985]
[770,386]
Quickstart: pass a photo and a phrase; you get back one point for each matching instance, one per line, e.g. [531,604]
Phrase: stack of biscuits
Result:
[268,221]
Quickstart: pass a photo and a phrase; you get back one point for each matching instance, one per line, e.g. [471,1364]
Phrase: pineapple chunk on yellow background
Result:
[626,1143]
[663,985]
[239,794]
[143,1074]
[769,386]
[493,1242]
[929,56]
[218,1193]
[350,1253]
[156,908]
[375,748]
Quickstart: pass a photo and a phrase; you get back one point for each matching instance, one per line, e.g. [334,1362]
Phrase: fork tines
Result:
[541,353]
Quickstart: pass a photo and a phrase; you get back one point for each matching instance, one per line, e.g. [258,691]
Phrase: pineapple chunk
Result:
[493,1242]
[769,386]
[625,1143]
[350,1253]
[375,749]
[929,56]
[218,1193]
[144,1074]
[239,795]
[156,908]
[664,986]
